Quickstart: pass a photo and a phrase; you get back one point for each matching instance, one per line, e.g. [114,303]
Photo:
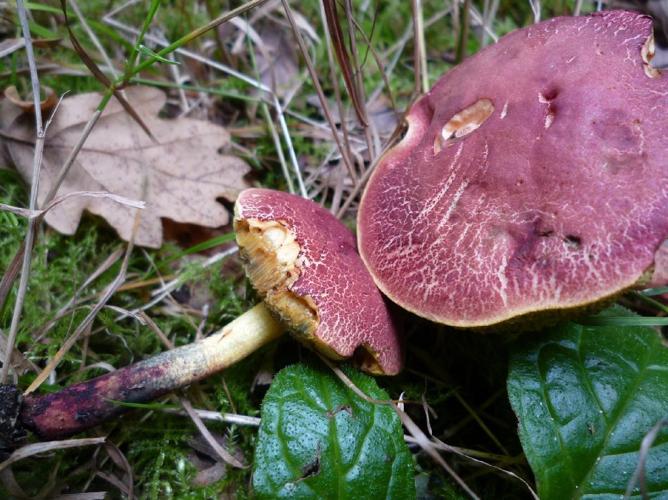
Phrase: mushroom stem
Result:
[85,405]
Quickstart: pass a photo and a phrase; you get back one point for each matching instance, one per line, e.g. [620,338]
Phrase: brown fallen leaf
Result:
[277,61]
[27,104]
[184,171]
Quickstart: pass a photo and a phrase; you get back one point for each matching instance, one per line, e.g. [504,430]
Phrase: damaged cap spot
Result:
[464,122]
[547,98]
[647,54]
[573,242]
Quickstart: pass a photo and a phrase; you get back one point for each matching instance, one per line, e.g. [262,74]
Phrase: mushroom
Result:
[532,178]
[303,261]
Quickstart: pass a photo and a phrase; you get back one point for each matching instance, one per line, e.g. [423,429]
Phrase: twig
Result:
[165,290]
[425,443]
[229,418]
[335,82]
[277,145]
[473,455]
[358,81]
[463,32]
[360,185]
[12,271]
[69,161]
[22,364]
[39,214]
[206,434]
[34,189]
[489,13]
[535,8]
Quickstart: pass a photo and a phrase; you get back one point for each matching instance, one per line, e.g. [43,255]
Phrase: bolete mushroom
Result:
[533,178]
[303,261]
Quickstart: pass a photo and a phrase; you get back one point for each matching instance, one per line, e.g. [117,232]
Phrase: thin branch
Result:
[358,75]
[335,82]
[639,474]
[420,438]
[216,416]
[206,434]
[69,161]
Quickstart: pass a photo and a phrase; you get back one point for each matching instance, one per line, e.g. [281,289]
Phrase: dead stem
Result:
[220,451]
[335,85]
[93,37]
[34,189]
[321,95]
[421,72]
[37,448]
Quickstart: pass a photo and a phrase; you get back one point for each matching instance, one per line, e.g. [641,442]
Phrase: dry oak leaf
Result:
[183,171]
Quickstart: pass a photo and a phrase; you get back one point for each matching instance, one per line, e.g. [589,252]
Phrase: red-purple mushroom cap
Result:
[305,265]
[532,178]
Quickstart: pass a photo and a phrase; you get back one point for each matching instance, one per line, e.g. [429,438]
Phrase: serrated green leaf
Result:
[585,397]
[318,439]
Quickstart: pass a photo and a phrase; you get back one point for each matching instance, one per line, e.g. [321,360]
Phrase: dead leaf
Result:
[28,105]
[379,112]
[184,171]
[277,61]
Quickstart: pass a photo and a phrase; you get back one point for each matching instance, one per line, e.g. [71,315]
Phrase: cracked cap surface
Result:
[533,177]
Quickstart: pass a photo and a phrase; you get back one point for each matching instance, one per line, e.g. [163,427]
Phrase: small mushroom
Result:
[532,178]
[303,261]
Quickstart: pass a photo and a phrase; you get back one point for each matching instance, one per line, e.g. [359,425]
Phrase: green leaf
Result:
[585,397]
[44,8]
[318,439]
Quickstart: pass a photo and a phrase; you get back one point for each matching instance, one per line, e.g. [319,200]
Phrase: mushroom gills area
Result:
[271,258]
